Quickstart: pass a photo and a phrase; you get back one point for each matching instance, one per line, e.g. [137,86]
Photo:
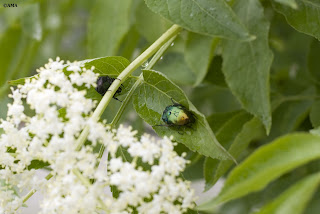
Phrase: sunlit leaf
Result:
[112,65]
[295,199]
[267,164]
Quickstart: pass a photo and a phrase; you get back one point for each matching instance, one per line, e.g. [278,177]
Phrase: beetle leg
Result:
[179,130]
[174,103]
[160,125]
[117,99]
[120,81]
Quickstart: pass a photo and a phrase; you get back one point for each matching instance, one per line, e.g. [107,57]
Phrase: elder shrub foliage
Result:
[248,70]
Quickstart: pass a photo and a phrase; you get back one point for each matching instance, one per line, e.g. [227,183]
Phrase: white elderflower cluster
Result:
[43,123]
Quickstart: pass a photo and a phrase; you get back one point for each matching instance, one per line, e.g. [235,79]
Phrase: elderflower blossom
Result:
[43,123]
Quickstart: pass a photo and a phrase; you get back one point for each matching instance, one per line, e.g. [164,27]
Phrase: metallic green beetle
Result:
[177,115]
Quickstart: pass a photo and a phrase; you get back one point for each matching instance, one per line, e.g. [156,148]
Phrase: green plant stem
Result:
[125,102]
[173,31]
[31,192]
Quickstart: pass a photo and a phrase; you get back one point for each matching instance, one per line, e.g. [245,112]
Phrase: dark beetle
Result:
[103,84]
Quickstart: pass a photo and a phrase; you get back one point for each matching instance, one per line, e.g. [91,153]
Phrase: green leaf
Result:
[208,17]
[290,49]
[290,3]
[305,19]
[129,44]
[289,113]
[251,130]
[295,199]
[217,121]
[199,45]
[20,81]
[112,65]
[150,25]
[62,114]
[232,124]
[315,114]
[37,164]
[30,21]
[246,65]
[221,99]
[266,164]
[244,134]
[175,67]
[105,32]
[313,60]
[191,211]
[152,97]
[214,74]
[221,124]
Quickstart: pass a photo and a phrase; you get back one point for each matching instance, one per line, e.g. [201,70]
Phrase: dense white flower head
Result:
[43,123]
